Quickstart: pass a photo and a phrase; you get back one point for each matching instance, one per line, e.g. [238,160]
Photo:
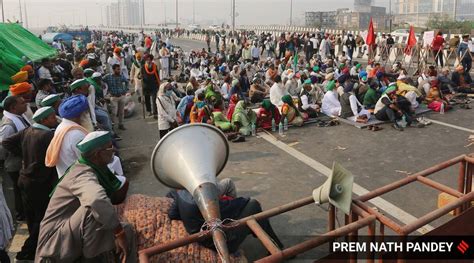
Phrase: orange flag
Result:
[411,41]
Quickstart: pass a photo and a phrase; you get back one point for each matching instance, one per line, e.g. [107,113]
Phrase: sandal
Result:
[376,128]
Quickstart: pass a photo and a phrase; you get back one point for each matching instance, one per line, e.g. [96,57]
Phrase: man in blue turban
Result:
[76,124]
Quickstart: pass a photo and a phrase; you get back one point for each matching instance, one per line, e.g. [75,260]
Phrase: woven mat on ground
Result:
[149,216]
[373,121]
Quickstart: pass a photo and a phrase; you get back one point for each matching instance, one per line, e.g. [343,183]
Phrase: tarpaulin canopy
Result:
[16,43]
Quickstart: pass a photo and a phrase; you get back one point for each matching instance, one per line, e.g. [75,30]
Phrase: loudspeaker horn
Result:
[337,190]
[191,157]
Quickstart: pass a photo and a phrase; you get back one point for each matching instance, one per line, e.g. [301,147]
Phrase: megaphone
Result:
[337,190]
[191,157]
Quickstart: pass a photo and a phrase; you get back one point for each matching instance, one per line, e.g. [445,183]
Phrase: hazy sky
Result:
[262,12]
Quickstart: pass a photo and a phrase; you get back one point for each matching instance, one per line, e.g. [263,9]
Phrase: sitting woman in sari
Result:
[266,114]
[435,101]
[243,118]
[289,111]
[200,112]
[232,102]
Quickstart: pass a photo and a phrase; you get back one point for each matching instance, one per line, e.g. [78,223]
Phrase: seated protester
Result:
[244,82]
[44,89]
[328,78]
[185,105]
[212,95]
[371,96]
[232,103]
[200,113]
[331,105]
[81,222]
[361,88]
[243,118]
[277,91]
[236,89]
[462,80]
[435,100]
[226,88]
[232,207]
[290,112]
[218,118]
[351,108]
[266,114]
[408,91]
[257,92]
[308,100]
[355,70]
[446,85]
[388,109]
[291,85]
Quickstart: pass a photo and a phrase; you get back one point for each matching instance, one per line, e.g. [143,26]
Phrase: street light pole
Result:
[3,12]
[390,13]
[176,13]
[21,13]
[291,13]
[233,15]
[194,12]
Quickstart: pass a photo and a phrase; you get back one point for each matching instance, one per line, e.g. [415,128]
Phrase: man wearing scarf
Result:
[13,121]
[24,90]
[81,223]
[36,181]
[151,82]
[62,151]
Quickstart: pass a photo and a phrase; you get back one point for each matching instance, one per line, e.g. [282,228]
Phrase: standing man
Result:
[117,88]
[36,181]
[81,223]
[464,53]
[13,122]
[151,82]
[44,71]
[255,52]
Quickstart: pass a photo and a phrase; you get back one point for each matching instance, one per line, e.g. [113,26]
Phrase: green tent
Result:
[15,43]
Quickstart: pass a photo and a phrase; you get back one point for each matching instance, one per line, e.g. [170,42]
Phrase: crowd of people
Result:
[62,120]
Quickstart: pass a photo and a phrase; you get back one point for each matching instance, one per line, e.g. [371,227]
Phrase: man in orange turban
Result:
[19,77]
[20,88]
[30,70]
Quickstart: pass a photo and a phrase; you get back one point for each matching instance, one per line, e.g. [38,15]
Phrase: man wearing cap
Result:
[291,85]
[53,100]
[387,108]
[13,121]
[330,103]
[117,88]
[310,99]
[36,181]
[81,223]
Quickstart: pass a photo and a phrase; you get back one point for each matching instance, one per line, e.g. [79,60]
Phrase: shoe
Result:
[117,138]
[20,217]
[24,256]
[121,127]
[396,127]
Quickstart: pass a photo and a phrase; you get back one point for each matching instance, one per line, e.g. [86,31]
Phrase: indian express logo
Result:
[409,247]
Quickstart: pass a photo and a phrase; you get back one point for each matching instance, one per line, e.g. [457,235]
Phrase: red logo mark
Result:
[463,247]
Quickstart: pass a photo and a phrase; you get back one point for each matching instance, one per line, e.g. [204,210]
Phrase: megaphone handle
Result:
[221,245]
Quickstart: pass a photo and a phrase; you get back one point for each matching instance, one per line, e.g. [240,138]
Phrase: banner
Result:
[428,38]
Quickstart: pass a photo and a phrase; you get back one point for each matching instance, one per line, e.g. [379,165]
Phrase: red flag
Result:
[370,41]
[411,41]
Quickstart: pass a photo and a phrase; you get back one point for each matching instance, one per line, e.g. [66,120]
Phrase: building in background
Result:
[320,19]
[419,12]
[360,20]
[125,13]
[363,5]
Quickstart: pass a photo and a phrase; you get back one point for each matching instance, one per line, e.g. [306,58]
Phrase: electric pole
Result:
[21,13]
[233,15]
[390,14]
[291,13]
[194,12]
[3,12]
[26,14]
[176,13]
[143,13]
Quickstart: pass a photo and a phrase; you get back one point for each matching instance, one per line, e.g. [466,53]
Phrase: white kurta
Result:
[331,105]
[277,91]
